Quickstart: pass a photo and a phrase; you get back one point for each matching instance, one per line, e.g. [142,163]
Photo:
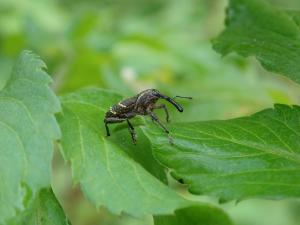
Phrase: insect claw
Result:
[134,138]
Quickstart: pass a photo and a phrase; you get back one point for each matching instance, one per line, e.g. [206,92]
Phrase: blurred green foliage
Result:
[130,45]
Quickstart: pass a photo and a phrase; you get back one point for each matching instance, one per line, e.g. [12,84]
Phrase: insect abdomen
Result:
[123,107]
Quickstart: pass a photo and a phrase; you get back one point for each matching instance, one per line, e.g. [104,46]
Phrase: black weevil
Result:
[141,104]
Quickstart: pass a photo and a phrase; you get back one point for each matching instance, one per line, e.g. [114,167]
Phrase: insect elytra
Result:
[120,104]
[142,104]
[112,111]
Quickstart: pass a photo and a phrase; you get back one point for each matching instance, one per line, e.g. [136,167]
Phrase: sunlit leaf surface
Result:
[255,156]
[27,129]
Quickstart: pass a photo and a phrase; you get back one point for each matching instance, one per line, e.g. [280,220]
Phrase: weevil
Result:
[142,104]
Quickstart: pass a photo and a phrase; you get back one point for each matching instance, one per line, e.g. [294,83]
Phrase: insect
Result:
[142,104]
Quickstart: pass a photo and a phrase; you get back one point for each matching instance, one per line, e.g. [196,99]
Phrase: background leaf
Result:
[45,210]
[27,130]
[295,14]
[256,28]
[256,156]
[196,215]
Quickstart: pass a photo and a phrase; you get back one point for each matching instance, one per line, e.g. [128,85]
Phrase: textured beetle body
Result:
[142,104]
[122,108]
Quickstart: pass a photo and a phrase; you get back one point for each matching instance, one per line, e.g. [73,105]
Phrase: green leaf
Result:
[45,210]
[255,156]
[107,174]
[196,215]
[27,130]
[256,28]
[112,171]
[295,16]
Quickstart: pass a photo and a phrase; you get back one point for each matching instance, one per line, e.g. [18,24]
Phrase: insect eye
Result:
[156,92]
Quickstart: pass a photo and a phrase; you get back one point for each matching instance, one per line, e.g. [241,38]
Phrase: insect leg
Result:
[111,120]
[132,132]
[107,130]
[163,106]
[155,118]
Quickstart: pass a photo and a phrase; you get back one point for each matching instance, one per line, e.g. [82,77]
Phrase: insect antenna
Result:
[177,96]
